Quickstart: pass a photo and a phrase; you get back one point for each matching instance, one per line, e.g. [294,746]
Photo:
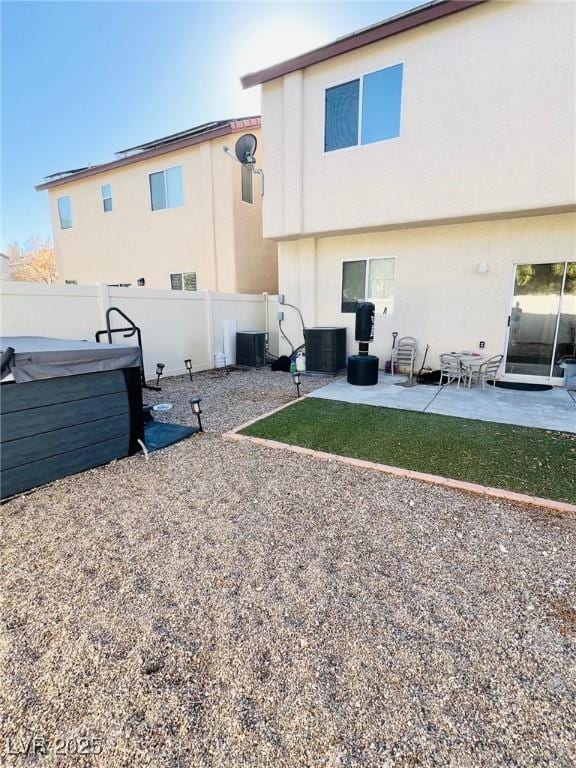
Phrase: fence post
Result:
[103,303]
[210,327]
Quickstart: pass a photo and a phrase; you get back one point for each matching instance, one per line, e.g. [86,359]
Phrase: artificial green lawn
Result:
[533,461]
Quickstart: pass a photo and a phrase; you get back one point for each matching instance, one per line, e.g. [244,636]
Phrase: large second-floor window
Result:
[166,188]
[364,110]
[65,212]
[368,280]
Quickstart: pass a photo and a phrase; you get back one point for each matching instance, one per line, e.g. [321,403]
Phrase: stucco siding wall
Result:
[222,191]
[273,158]
[440,298]
[256,259]
[133,241]
[488,125]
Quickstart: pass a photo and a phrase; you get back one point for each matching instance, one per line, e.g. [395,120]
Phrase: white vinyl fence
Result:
[175,325]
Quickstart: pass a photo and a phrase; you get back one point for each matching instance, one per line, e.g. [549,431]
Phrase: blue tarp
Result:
[159,434]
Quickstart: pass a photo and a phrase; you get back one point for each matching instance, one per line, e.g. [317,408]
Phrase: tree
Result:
[34,262]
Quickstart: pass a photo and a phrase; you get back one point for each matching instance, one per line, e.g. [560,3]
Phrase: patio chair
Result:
[404,355]
[488,371]
[451,369]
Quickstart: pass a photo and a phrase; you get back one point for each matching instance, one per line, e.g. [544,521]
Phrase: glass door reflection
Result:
[534,318]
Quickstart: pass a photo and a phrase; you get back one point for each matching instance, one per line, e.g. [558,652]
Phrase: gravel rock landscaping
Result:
[224,604]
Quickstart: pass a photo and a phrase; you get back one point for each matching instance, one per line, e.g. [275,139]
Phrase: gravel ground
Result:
[228,605]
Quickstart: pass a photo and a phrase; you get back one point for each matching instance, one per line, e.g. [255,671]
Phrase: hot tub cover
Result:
[40,357]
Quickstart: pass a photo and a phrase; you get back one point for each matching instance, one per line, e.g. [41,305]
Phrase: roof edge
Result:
[234,126]
[415,17]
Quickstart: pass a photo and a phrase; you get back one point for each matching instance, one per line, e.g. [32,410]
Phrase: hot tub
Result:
[66,406]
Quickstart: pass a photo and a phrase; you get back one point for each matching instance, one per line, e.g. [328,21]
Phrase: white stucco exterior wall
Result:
[213,233]
[488,126]
[440,298]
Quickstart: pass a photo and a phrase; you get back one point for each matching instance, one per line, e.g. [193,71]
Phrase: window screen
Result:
[353,284]
[189,281]
[341,117]
[157,191]
[176,281]
[247,184]
[106,190]
[381,104]
[65,212]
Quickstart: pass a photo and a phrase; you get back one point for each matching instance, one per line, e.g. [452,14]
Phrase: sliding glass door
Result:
[542,322]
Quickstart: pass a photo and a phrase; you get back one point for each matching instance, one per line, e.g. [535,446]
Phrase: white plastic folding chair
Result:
[488,371]
[451,369]
[404,355]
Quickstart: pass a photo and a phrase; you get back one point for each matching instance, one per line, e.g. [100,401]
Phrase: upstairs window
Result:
[369,280]
[341,127]
[65,212]
[183,281]
[247,185]
[106,190]
[166,188]
[364,110]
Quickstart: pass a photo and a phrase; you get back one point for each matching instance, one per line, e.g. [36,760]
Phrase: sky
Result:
[81,80]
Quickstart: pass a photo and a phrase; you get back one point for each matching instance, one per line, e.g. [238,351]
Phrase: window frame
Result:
[106,197]
[361,77]
[163,172]
[184,272]
[64,197]
[367,259]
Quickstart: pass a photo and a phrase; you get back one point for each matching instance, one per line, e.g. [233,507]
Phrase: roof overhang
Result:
[415,18]
[234,126]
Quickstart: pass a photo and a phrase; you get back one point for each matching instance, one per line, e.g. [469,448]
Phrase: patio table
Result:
[470,360]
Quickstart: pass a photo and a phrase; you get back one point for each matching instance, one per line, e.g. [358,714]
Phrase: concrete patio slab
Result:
[387,393]
[552,409]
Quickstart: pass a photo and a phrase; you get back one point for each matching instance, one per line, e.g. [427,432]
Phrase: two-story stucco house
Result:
[177,213]
[427,164]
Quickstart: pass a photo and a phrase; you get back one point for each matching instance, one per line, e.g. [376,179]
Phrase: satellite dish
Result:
[245,148]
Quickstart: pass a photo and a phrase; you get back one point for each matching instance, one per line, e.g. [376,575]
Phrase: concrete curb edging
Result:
[447,482]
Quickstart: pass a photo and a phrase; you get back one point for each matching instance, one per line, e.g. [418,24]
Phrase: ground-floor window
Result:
[369,280]
[183,281]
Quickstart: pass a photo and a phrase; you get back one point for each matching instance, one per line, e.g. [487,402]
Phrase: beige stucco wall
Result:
[440,298]
[488,125]
[211,234]
[256,259]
